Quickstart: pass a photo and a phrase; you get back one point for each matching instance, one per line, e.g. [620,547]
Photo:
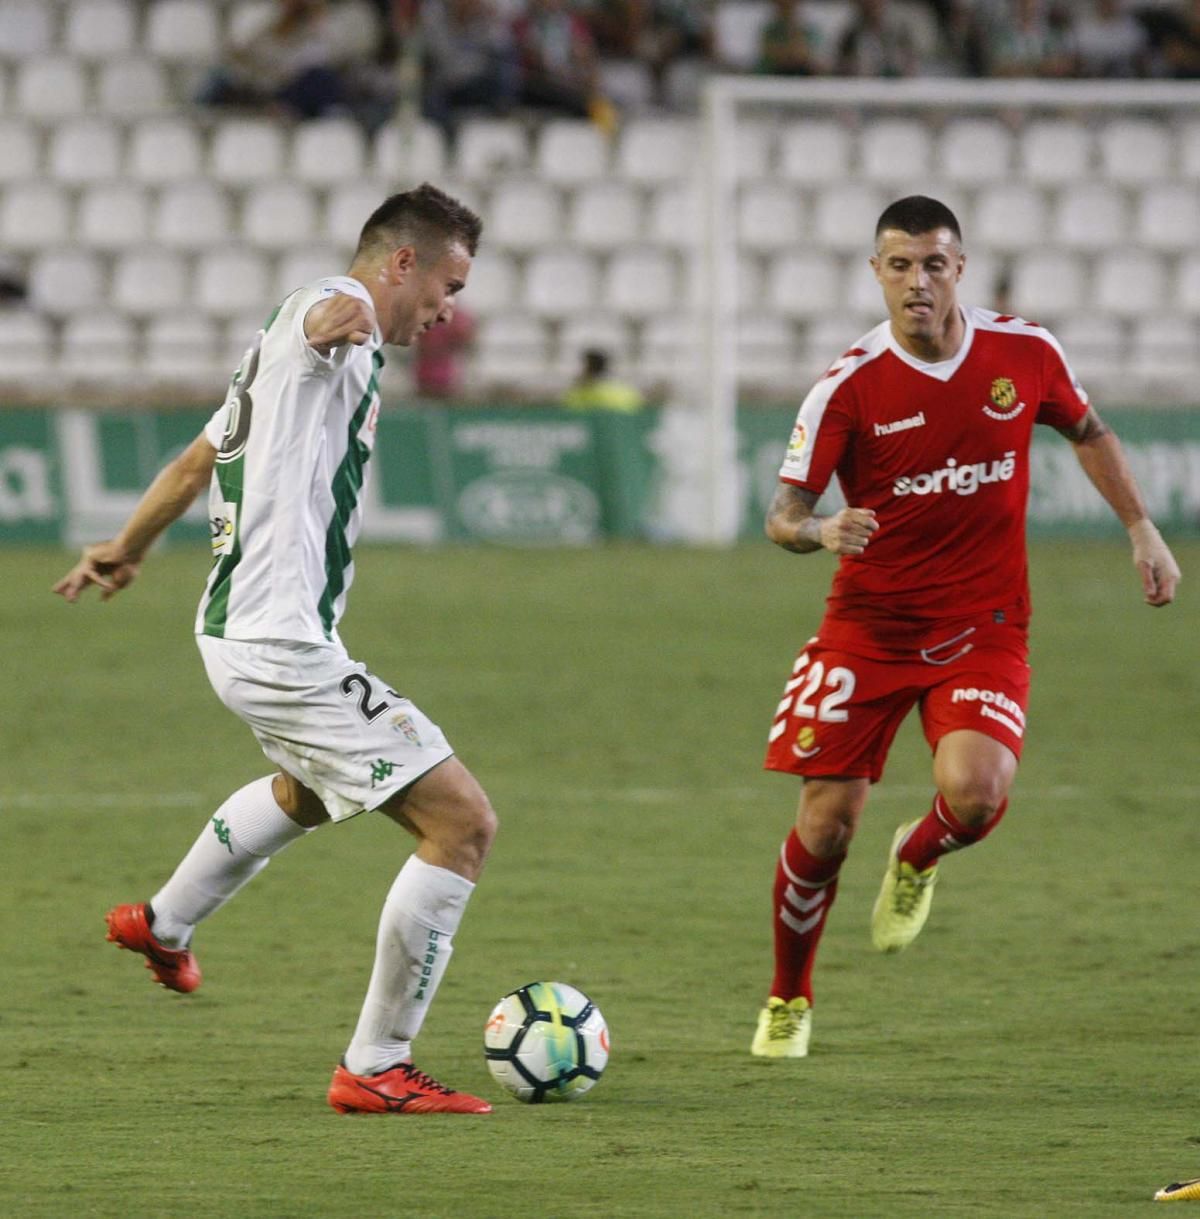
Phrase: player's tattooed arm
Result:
[791,524]
[1091,427]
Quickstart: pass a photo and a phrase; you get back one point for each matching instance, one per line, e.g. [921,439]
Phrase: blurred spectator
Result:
[470,59]
[960,49]
[878,42]
[786,45]
[596,389]
[558,62]
[654,33]
[1111,42]
[1028,38]
[1179,43]
[440,356]
[289,63]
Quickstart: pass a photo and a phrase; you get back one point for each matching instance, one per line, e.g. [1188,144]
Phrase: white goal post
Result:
[726,103]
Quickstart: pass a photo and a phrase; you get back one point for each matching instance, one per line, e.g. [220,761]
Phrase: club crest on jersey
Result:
[805,745]
[1005,403]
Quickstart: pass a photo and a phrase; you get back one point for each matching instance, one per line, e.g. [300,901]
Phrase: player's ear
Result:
[962,266]
[875,264]
[401,263]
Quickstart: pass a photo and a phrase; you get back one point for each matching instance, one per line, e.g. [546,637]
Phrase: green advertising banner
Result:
[530,476]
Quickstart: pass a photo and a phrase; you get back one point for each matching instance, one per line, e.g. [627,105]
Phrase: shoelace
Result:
[784,1023]
[421,1080]
[909,889]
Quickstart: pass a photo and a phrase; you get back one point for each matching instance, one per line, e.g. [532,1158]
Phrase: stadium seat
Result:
[348,209]
[66,281]
[1164,352]
[770,216]
[84,150]
[804,285]
[328,152]
[754,150]
[826,338]
[26,28]
[304,265]
[1054,151]
[641,283]
[246,150]
[524,214]
[626,83]
[181,350]
[276,215]
[99,29]
[354,30]
[1188,152]
[237,334]
[493,284]
[1094,346]
[815,151]
[34,215]
[861,292]
[183,31]
[981,278]
[767,355]
[233,281]
[20,151]
[1168,216]
[1187,286]
[975,151]
[560,282]
[164,150]
[1008,217]
[510,352]
[603,331]
[1130,283]
[131,88]
[652,150]
[1135,150]
[845,216]
[147,282]
[409,159]
[605,215]
[50,88]
[1090,216]
[895,150]
[26,346]
[569,151]
[669,352]
[192,215]
[98,349]
[737,33]
[487,147]
[676,217]
[1047,285]
[113,216]
[243,19]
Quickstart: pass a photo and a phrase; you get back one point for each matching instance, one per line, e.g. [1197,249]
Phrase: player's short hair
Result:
[916,214]
[425,218]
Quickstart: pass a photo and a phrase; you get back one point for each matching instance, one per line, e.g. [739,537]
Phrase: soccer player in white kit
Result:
[285,458]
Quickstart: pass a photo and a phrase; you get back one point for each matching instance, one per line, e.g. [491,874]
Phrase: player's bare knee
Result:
[975,804]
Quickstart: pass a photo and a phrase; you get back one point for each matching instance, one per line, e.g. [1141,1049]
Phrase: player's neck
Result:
[936,347]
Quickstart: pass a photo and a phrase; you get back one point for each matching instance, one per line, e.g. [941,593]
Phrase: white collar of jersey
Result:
[941,370]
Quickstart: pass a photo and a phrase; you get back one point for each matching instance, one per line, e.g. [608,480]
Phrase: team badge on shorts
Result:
[1005,403]
[805,745]
[404,724]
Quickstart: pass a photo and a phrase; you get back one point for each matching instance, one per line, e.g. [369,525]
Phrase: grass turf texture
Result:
[1034,1054]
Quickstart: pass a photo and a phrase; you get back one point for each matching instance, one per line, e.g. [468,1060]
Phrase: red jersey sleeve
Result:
[1064,400]
[823,429]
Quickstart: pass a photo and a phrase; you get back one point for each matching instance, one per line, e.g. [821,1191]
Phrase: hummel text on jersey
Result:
[964,480]
[900,425]
[994,704]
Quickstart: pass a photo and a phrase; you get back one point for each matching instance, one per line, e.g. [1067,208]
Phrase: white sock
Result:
[420,916]
[233,847]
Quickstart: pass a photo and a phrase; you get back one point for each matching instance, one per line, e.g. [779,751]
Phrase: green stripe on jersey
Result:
[230,478]
[347,483]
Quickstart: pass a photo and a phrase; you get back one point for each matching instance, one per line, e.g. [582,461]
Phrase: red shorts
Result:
[840,710]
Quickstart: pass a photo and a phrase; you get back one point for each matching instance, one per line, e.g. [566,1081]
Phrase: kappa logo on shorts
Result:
[804,746]
[994,705]
[380,770]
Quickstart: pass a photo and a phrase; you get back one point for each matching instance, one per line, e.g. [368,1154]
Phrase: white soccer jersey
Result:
[294,436]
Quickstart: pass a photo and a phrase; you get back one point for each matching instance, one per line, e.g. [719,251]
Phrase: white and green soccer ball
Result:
[546,1041]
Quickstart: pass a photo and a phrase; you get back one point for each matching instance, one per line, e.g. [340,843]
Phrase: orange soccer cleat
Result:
[399,1089]
[175,968]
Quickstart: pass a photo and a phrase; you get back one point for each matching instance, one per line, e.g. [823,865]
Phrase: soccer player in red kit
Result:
[926,422]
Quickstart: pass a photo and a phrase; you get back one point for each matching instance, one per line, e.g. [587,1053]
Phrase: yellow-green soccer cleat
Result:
[784,1026]
[1181,1191]
[904,900]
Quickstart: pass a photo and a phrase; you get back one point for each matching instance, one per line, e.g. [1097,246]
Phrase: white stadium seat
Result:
[626,83]
[26,28]
[861,292]
[131,88]
[676,216]
[246,18]
[183,31]
[605,215]
[1008,217]
[164,150]
[804,285]
[85,150]
[524,215]
[570,151]
[51,87]
[233,281]
[1091,216]
[276,215]
[20,152]
[181,349]
[815,151]
[328,151]
[98,349]
[493,283]
[770,216]
[113,216]
[737,32]
[34,215]
[510,350]
[304,265]
[1130,283]
[1187,286]
[895,150]
[669,351]
[846,215]
[409,158]
[1188,152]
[99,29]
[490,146]
[1168,216]
[656,150]
[1094,345]
[766,354]
[66,281]
[354,29]
[149,281]
[246,150]
[348,209]
[560,282]
[1047,285]
[975,151]
[1054,151]
[980,279]
[1135,151]
[640,283]
[1164,350]
[26,344]
[603,331]
[754,150]
[192,216]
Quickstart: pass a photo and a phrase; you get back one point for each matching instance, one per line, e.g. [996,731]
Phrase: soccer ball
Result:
[546,1041]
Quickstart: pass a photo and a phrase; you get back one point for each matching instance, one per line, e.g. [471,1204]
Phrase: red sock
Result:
[940,831]
[805,887]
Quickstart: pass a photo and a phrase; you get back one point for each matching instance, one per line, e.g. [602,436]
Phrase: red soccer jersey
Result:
[941,453]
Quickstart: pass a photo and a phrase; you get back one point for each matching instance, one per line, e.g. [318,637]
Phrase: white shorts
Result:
[320,716]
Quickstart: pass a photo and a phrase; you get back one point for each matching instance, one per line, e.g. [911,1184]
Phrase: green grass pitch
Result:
[1034,1054]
